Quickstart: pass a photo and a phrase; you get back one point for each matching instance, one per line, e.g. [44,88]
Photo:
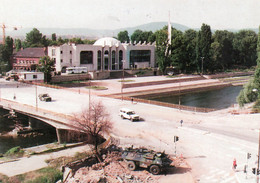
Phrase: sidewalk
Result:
[35,162]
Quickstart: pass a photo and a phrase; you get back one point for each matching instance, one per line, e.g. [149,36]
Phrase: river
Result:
[8,141]
[216,99]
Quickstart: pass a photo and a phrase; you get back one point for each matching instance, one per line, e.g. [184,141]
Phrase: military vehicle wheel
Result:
[131,165]
[155,169]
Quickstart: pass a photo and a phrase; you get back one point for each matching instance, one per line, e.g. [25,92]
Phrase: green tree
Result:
[18,44]
[245,43]
[203,47]
[46,66]
[190,50]
[162,52]
[137,36]
[251,91]
[123,36]
[178,52]
[34,39]
[54,37]
[222,50]
[6,53]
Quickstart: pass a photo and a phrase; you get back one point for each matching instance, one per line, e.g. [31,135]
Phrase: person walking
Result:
[234,164]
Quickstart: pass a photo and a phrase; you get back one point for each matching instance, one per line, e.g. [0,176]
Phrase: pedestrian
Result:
[181,122]
[132,100]
[234,164]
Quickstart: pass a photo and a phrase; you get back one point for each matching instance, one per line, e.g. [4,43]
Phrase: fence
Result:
[165,104]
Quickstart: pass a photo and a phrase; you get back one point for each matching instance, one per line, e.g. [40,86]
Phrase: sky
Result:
[114,14]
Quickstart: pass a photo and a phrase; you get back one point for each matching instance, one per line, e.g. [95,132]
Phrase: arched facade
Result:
[106,54]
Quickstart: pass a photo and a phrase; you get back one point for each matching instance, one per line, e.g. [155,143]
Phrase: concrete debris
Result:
[112,169]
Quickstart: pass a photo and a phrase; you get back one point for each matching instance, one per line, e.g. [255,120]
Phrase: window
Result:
[99,60]
[113,60]
[34,76]
[53,53]
[86,57]
[70,52]
[71,61]
[61,52]
[140,56]
[54,60]
[120,59]
[61,60]
[24,76]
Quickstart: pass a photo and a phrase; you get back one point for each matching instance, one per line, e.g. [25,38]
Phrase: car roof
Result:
[127,110]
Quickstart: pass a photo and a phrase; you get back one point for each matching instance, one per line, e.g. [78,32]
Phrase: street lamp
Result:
[202,58]
[123,79]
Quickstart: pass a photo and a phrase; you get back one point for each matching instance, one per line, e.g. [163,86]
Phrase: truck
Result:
[155,162]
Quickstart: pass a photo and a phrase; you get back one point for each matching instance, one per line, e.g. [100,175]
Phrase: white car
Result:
[128,114]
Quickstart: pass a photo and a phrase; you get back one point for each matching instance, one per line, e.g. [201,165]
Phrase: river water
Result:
[216,99]
[8,141]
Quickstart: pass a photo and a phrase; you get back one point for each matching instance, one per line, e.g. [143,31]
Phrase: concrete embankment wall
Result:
[174,80]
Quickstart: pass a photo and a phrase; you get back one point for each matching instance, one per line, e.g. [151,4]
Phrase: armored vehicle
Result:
[45,97]
[156,162]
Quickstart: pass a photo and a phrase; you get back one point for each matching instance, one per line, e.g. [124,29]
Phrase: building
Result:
[106,54]
[27,59]
[31,76]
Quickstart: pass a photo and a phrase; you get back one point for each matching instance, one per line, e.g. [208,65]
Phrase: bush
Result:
[15,151]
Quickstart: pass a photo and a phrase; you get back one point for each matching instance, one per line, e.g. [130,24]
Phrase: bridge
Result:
[60,122]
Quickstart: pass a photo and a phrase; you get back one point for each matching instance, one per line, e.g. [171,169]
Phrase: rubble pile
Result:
[113,169]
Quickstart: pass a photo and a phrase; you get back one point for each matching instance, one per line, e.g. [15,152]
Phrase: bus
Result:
[76,70]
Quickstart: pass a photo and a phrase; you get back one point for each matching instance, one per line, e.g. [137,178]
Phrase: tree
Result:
[6,52]
[34,38]
[222,50]
[245,43]
[18,44]
[190,49]
[123,36]
[251,91]
[203,47]
[53,37]
[93,121]
[46,66]
[162,51]
[136,36]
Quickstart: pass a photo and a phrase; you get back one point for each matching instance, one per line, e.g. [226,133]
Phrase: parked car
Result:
[45,97]
[128,114]
[155,162]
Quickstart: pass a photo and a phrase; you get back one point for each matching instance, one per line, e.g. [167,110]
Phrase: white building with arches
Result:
[106,54]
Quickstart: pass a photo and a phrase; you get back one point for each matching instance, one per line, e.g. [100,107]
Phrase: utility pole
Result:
[257,170]
[202,58]
[123,79]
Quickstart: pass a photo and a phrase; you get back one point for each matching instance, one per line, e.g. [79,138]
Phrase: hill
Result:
[87,33]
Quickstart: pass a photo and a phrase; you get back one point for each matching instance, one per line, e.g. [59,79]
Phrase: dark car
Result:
[45,97]
[156,162]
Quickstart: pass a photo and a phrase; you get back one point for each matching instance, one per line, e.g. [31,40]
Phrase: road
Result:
[208,141]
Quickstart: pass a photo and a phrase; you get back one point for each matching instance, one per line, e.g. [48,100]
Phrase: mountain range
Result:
[98,33]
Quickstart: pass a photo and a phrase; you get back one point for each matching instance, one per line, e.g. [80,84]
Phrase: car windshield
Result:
[131,112]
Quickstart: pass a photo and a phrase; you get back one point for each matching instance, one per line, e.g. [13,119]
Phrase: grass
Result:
[129,80]
[44,175]
[97,87]
[58,162]
[14,152]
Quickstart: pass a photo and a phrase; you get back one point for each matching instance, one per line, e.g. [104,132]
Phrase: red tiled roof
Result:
[31,53]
